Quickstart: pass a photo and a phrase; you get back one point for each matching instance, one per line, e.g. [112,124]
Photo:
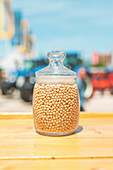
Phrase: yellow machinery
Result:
[27,40]
[6,20]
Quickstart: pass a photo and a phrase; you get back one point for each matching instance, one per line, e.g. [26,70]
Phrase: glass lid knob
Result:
[56,55]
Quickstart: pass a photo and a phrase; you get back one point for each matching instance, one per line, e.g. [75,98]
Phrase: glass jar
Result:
[56,98]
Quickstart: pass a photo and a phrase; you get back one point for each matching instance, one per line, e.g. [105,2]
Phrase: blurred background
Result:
[30,29]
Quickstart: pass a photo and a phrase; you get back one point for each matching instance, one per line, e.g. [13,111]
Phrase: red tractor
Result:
[102,80]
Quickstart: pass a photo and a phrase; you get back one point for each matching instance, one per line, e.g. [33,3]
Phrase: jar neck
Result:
[55,63]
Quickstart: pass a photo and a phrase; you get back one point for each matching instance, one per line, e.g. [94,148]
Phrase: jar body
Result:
[55,105]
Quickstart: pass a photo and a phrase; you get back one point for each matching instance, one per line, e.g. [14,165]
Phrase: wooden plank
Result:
[29,115]
[47,149]
[83,164]
[96,115]
[87,128]
[18,140]
[16,115]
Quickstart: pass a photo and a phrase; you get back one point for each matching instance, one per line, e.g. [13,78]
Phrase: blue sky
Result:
[77,25]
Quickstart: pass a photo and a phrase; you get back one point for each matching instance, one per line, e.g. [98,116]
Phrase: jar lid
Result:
[56,66]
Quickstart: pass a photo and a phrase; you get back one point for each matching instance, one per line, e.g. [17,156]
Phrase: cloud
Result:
[38,7]
[97,13]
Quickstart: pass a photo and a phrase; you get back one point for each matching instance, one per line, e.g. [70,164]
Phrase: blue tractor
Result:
[26,78]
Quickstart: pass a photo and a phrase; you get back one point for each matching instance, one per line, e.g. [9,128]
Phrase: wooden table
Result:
[91,147]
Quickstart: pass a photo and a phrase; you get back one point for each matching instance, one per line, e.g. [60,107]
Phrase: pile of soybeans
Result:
[56,107]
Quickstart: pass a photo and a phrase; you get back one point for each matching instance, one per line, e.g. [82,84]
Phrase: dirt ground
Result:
[100,103]
[13,103]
